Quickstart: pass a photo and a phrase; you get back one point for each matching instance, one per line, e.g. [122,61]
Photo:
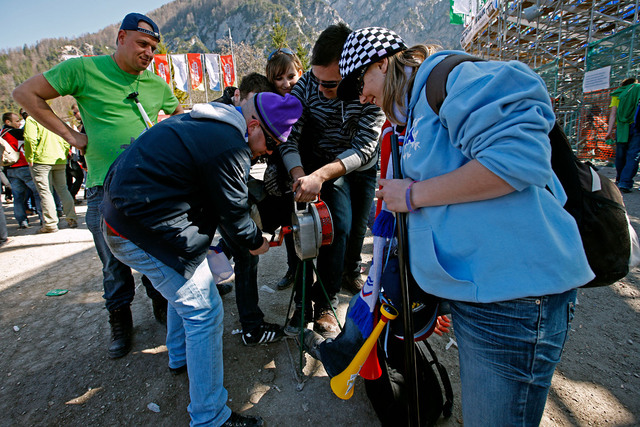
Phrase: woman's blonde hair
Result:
[279,64]
[397,84]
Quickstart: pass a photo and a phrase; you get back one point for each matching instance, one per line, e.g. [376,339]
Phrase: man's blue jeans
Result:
[194,328]
[119,285]
[627,158]
[508,352]
[21,182]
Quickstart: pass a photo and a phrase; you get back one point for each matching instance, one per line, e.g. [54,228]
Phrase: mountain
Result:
[203,26]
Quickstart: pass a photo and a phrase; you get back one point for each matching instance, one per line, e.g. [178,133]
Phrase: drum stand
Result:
[302,268]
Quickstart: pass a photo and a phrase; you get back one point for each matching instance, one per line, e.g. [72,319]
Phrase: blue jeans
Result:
[349,200]
[246,281]
[21,183]
[118,282]
[4,235]
[194,328]
[627,158]
[508,352]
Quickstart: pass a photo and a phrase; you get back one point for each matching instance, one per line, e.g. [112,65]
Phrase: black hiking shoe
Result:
[287,281]
[263,334]
[293,326]
[121,332]
[237,420]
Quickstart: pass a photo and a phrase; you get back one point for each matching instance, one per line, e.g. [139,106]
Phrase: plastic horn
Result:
[342,384]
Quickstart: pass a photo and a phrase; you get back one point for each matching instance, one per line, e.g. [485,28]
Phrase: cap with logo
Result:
[130,23]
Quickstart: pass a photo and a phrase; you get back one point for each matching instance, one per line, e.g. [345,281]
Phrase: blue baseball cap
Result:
[130,23]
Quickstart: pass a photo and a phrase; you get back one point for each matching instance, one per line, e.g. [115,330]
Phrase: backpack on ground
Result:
[9,155]
[593,200]
[389,395]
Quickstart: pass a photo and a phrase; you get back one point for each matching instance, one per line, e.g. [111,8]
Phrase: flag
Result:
[228,70]
[195,70]
[180,72]
[455,17]
[162,67]
[212,63]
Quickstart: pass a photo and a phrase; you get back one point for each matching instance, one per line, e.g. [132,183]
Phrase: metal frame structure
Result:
[552,37]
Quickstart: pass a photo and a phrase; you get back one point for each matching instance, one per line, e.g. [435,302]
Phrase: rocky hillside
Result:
[203,26]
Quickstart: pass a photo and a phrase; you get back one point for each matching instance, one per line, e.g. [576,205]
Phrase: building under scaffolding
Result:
[562,40]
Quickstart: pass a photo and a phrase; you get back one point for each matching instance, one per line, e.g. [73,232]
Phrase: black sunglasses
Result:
[280,50]
[269,141]
[326,85]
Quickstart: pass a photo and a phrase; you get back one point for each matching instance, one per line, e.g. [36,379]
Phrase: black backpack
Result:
[388,394]
[592,199]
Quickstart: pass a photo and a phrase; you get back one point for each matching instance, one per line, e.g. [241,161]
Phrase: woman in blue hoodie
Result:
[485,232]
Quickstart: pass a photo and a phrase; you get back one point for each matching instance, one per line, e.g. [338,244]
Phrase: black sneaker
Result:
[237,420]
[293,326]
[224,288]
[287,281]
[352,283]
[263,334]
[178,371]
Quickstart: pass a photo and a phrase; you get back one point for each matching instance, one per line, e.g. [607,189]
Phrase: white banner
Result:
[596,79]
[212,64]
[180,72]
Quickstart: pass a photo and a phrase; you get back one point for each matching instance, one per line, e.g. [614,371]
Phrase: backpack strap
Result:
[447,408]
[436,87]
[446,382]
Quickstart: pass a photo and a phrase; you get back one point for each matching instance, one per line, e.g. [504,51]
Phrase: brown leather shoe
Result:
[326,324]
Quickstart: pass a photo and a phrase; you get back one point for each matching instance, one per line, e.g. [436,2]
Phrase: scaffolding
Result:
[560,40]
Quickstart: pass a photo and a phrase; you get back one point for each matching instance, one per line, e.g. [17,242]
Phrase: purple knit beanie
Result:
[278,113]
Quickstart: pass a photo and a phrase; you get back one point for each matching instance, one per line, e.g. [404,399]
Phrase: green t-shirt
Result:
[112,122]
[43,146]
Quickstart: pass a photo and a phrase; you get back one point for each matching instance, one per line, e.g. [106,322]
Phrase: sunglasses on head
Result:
[327,85]
[280,50]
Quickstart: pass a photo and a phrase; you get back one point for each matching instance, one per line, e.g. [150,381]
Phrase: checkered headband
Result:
[363,47]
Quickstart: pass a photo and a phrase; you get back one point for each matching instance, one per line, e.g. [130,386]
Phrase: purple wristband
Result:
[407,196]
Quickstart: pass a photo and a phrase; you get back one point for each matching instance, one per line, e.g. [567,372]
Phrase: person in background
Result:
[74,171]
[477,191]
[283,70]
[164,199]
[47,154]
[107,89]
[18,173]
[627,140]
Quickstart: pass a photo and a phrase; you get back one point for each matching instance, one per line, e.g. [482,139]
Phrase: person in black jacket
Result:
[164,198]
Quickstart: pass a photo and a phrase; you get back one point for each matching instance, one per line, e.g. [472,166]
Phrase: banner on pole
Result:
[162,68]
[180,72]
[212,63]
[195,70]
[228,70]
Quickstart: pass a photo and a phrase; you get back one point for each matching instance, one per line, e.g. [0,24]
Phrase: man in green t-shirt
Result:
[107,89]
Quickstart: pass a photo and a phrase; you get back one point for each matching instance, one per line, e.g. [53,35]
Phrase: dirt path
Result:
[55,369]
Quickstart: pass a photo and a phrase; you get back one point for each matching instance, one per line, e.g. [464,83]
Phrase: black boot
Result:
[160,309]
[121,331]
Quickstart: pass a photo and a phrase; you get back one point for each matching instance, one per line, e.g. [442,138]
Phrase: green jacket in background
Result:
[629,97]
[43,146]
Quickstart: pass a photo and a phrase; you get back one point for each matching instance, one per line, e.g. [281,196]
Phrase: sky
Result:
[27,21]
